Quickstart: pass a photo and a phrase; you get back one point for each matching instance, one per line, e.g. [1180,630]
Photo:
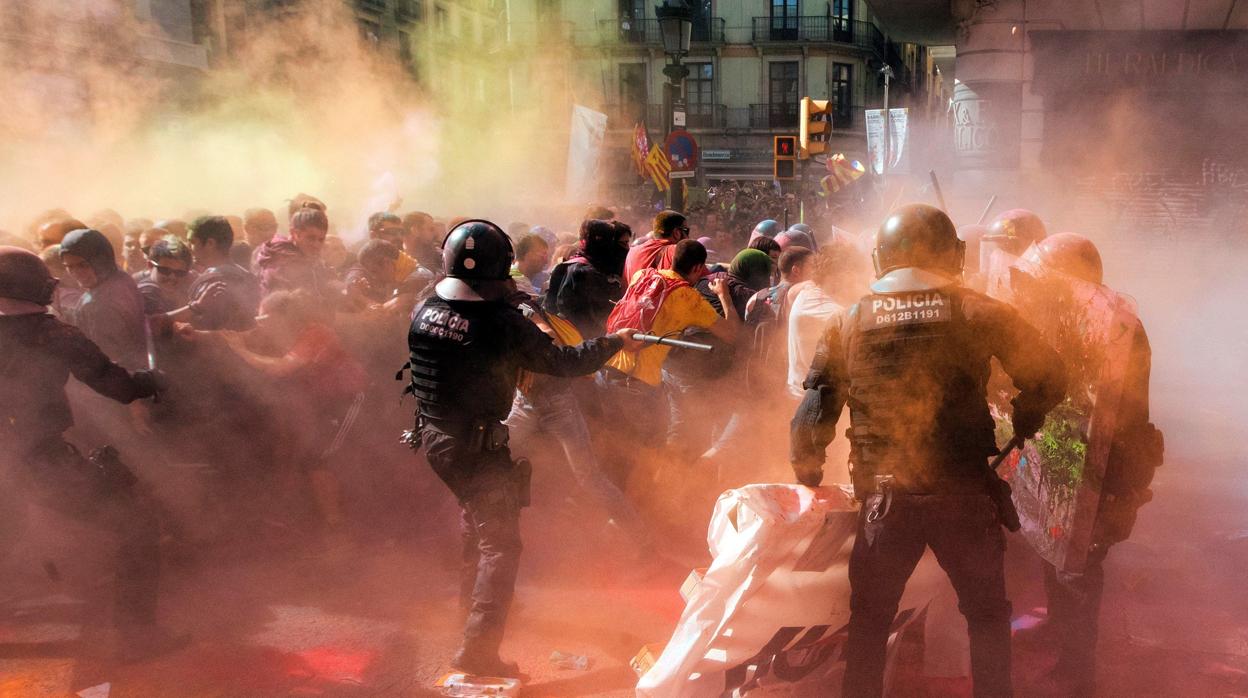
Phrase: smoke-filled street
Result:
[674,349]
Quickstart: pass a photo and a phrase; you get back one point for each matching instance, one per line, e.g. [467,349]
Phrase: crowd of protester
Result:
[279,343]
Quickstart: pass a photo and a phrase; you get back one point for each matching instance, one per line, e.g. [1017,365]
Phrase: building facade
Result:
[750,63]
[1130,114]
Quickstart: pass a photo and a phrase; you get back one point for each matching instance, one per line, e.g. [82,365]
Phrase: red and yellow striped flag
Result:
[659,167]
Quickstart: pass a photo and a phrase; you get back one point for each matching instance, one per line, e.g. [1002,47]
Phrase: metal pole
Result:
[888,142]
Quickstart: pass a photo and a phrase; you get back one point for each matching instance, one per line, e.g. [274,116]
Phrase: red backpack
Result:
[641,302]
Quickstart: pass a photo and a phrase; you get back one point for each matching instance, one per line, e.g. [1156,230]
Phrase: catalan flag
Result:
[841,173]
[659,167]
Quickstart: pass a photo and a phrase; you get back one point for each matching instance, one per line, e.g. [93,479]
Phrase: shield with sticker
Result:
[1057,476]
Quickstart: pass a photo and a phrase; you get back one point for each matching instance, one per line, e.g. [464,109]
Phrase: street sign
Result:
[682,150]
[716,154]
[678,119]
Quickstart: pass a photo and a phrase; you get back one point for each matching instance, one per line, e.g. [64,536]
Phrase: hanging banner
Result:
[589,128]
[899,162]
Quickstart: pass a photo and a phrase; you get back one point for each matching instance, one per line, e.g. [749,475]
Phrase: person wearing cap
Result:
[38,354]
[468,344]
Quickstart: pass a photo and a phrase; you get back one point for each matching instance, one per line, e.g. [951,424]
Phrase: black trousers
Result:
[62,479]
[489,498]
[965,534]
[1074,612]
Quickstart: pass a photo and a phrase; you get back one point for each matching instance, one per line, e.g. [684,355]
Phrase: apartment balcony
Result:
[697,116]
[645,32]
[774,116]
[819,29]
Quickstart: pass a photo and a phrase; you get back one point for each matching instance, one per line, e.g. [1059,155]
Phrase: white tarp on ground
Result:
[589,128]
[770,615]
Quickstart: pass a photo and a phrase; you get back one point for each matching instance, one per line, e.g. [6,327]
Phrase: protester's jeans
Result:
[638,411]
[965,534]
[1074,610]
[489,498]
[65,481]
[557,412]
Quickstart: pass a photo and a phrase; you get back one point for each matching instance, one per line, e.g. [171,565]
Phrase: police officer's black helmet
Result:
[476,258]
[918,235]
[24,277]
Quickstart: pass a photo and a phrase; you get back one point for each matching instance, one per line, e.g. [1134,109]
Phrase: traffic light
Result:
[785,158]
[816,123]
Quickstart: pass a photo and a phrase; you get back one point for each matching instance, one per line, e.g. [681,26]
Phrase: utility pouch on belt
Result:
[522,472]
[117,476]
[487,436]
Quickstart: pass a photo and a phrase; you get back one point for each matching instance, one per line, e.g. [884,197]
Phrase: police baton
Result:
[1016,442]
[667,341]
[151,351]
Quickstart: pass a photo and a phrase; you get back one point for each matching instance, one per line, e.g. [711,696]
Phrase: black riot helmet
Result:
[921,236]
[476,258]
[24,277]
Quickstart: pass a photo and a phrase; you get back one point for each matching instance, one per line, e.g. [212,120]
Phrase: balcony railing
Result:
[709,30]
[819,29]
[764,117]
[774,116]
[697,116]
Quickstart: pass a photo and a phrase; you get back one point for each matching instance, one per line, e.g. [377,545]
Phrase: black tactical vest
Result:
[458,368]
[916,378]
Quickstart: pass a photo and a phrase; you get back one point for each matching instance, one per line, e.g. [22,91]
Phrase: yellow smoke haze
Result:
[307,105]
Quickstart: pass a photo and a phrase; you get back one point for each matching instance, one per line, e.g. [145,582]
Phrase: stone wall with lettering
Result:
[1207,202]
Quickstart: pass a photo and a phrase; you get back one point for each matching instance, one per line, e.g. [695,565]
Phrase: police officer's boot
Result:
[479,654]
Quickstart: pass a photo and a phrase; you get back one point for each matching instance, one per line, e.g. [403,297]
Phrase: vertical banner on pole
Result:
[898,133]
[589,128]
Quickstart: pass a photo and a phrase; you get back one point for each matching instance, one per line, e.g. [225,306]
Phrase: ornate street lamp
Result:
[676,26]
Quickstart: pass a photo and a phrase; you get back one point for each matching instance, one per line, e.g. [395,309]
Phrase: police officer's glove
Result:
[808,474]
[1026,424]
[150,383]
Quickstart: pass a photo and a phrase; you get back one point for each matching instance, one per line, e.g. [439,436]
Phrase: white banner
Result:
[589,128]
[898,134]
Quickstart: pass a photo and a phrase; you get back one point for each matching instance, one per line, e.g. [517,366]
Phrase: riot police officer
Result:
[468,343]
[912,360]
[38,353]
[1137,450]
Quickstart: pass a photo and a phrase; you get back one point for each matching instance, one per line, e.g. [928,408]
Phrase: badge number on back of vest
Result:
[916,308]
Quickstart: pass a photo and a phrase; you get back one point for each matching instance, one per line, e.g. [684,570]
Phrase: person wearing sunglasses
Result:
[168,277]
[658,249]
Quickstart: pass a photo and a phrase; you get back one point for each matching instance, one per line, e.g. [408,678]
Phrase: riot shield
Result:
[1057,476]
